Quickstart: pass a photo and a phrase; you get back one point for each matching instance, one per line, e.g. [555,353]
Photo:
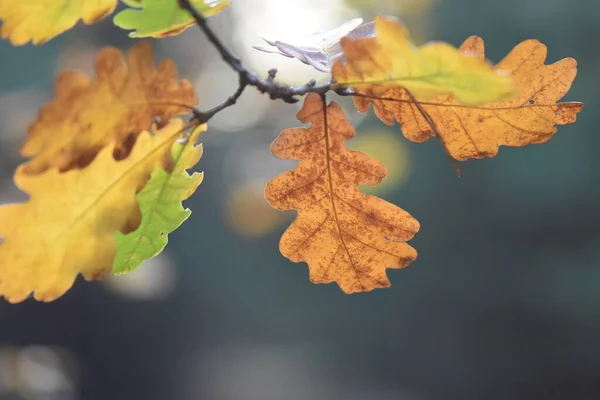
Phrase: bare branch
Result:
[203,116]
[233,62]
[275,90]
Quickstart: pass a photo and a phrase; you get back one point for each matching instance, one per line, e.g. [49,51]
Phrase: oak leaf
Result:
[40,20]
[390,60]
[160,18]
[345,236]
[123,100]
[68,224]
[478,132]
[160,204]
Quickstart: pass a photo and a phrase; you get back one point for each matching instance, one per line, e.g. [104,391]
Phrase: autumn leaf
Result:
[160,204]
[40,20]
[68,224]
[123,100]
[390,60]
[345,236]
[160,18]
[478,132]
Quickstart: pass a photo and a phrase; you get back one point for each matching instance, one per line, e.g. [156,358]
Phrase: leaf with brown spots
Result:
[478,132]
[123,100]
[345,236]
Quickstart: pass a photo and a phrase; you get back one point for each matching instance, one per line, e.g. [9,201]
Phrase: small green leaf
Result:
[160,204]
[160,18]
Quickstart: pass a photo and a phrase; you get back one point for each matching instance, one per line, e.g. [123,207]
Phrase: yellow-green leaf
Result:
[390,60]
[160,203]
[159,18]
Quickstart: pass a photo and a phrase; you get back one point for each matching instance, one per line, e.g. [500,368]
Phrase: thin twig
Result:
[203,116]
[276,91]
[234,62]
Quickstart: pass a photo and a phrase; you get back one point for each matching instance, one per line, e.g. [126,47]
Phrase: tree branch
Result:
[234,62]
[203,116]
[276,91]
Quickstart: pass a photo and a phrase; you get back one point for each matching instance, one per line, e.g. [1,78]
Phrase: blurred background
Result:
[503,302]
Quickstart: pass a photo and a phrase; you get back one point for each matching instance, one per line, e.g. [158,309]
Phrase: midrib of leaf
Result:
[78,219]
[332,196]
[523,105]
[484,108]
[430,79]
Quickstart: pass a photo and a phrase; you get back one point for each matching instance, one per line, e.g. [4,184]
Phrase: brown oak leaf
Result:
[345,236]
[478,131]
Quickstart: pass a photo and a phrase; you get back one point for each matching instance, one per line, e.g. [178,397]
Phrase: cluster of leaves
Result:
[91,149]
[108,158]
[38,21]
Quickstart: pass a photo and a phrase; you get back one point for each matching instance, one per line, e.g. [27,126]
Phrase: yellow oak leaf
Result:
[389,59]
[477,132]
[345,236]
[69,223]
[123,100]
[40,20]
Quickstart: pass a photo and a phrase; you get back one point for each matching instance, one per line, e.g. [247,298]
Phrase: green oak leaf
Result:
[160,18]
[160,204]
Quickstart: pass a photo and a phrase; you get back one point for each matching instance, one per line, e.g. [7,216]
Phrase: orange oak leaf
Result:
[123,100]
[477,132]
[40,20]
[68,225]
[345,236]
